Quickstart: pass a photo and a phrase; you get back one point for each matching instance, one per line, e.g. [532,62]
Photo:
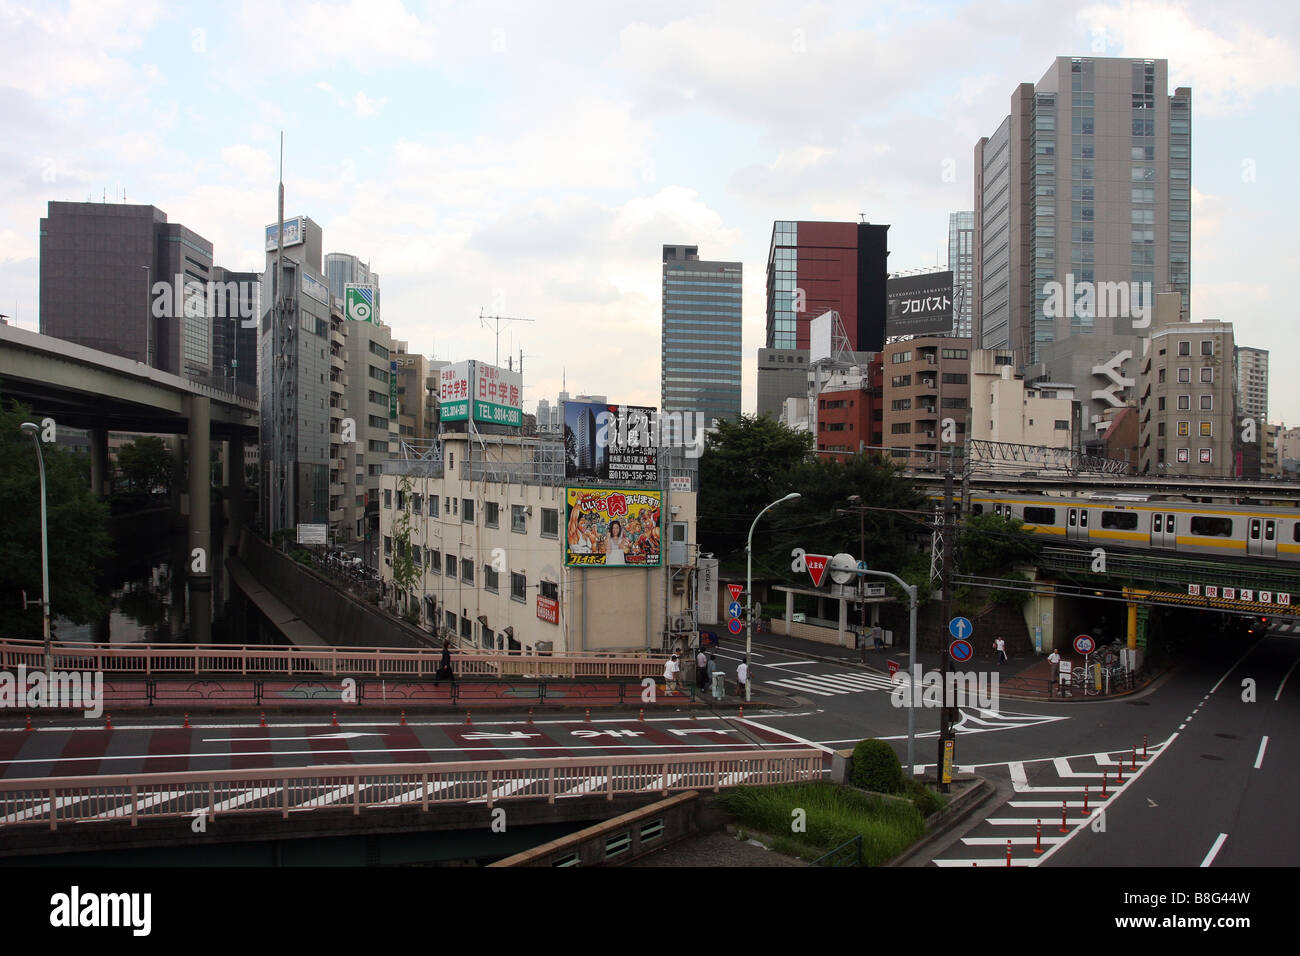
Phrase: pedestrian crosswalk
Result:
[827,685]
[1054,799]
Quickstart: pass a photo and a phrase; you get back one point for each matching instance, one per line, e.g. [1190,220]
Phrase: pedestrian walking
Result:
[1001,647]
[1055,660]
[701,670]
[671,667]
[444,665]
[742,677]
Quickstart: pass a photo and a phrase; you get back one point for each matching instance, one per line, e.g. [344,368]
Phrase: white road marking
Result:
[1232,668]
[1278,695]
[809,690]
[1259,760]
[1019,780]
[785,733]
[1214,850]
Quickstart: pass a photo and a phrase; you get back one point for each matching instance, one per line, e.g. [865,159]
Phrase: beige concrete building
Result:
[926,380]
[487,535]
[1187,400]
[417,404]
[1004,409]
[1270,463]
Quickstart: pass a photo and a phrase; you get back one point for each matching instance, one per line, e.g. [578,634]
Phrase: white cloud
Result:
[366,106]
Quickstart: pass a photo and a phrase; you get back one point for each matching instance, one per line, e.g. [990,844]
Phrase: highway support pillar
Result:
[1132,629]
[199,556]
[99,478]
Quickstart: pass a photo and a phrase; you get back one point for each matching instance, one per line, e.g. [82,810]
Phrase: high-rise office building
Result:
[109,281]
[1082,214]
[812,268]
[234,338]
[1252,384]
[301,367]
[961,260]
[700,349]
[816,267]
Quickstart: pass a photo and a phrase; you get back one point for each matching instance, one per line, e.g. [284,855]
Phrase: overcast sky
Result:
[530,159]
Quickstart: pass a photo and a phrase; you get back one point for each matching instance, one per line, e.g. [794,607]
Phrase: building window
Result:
[417,504]
[491,514]
[1160,429]
[1184,402]
[955,378]
[466,628]
[1205,456]
[900,428]
[1062,425]
[1207,375]
[388,498]
[518,519]
[1184,348]
[433,506]
[1207,346]
[388,546]
[1160,377]
[550,523]
[1160,404]
[451,622]
[549,589]
[1207,429]
[1183,429]
[1182,454]
[435,561]
[518,586]
[1184,375]
[451,566]
[1207,403]
[467,570]
[467,510]
[900,404]
[490,578]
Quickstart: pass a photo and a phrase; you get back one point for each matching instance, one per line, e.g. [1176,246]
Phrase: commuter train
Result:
[1150,524]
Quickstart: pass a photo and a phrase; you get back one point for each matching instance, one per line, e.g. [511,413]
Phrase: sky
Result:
[529,160]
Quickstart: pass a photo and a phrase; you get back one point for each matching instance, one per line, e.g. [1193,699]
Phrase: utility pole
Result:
[947,713]
[862,556]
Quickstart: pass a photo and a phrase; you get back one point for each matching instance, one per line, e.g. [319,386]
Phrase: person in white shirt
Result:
[742,676]
[701,669]
[1055,660]
[1001,647]
[671,667]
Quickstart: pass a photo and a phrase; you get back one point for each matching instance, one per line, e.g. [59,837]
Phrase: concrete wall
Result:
[337,617]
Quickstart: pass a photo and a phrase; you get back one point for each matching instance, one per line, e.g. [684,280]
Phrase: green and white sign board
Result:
[490,395]
[359,302]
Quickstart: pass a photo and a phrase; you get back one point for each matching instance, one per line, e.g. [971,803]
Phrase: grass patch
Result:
[835,815]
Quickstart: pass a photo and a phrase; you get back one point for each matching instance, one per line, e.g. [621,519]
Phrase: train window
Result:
[1169,524]
[1083,517]
[1157,523]
[1254,529]
[1040,515]
[1269,527]
[1212,527]
[1295,532]
[1073,517]
[1120,520]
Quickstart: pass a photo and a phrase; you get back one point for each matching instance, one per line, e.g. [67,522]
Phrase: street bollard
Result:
[1119,774]
[467,717]
[334,719]
[1144,746]
[588,717]
[403,718]
[1104,774]
[1008,853]
[1064,828]
[29,721]
[108,721]
[1038,841]
[1135,760]
[530,715]
[263,721]
[186,725]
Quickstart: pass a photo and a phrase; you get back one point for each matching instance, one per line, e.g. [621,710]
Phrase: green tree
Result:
[146,464]
[989,544]
[746,465]
[79,543]
[405,574]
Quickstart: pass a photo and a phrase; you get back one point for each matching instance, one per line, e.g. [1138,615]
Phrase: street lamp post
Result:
[862,554]
[749,587]
[910,590]
[31,429]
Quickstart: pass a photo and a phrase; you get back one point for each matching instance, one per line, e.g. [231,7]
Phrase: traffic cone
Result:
[108,721]
[186,725]
[467,718]
[263,721]
[29,721]
[588,718]
[640,714]
[403,718]
[742,712]
[334,719]
[530,715]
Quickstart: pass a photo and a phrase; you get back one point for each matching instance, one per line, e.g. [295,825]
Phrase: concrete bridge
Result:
[79,387]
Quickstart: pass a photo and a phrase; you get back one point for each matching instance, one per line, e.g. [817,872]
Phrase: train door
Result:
[1163,530]
[1076,524]
[1261,537]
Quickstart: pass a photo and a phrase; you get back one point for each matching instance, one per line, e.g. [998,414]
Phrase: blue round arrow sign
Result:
[734,609]
[960,628]
[960,650]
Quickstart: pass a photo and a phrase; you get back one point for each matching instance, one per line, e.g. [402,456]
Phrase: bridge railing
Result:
[52,801]
[288,661]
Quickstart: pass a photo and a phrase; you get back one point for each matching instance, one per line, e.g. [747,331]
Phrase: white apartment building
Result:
[1005,409]
[486,523]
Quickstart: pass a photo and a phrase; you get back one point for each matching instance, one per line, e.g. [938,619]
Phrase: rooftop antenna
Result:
[498,319]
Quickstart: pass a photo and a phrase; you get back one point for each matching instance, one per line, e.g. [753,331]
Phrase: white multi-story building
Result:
[1005,409]
[486,524]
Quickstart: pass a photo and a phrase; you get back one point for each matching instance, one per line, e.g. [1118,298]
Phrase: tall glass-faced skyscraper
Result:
[700,369]
[961,259]
[1085,185]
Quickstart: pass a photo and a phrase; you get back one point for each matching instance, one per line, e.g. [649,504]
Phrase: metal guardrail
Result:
[848,853]
[1176,571]
[210,794]
[245,660]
